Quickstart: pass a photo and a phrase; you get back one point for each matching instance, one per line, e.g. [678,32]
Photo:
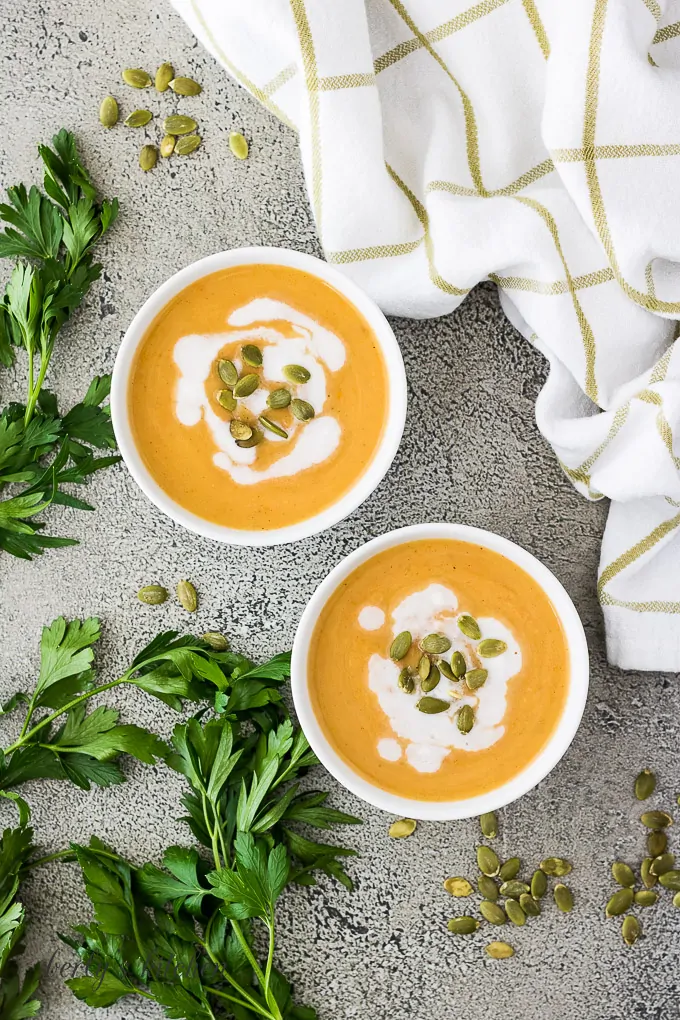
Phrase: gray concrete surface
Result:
[471,453]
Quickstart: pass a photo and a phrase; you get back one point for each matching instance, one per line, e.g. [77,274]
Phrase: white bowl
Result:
[536,770]
[396,412]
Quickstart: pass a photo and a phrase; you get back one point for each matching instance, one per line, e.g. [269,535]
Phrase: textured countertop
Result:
[471,453]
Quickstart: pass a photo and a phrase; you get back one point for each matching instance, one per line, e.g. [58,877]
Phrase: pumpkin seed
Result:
[514,888]
[302,409]
[188,596]
[137,78]
[623,874]
[539,884]
[240,429]
[227,372]
[278,399]
[164,76]
[491,647]
[152,594]
[557,867]
[670,880]
[432,706]
[435,644]
[499,950]
[619,903]
[185,86]
[296,373]
[272,426]
[225,398]
[657,842]
[646,897]
[238,145]
[656,819]
[509,869]
[217,641]
[432,680]
[463,925]
[108,112]
[676,900]
[515,913]
[148,157]
[252,355]
[488,824]
[424,666]
[179,124]
[476,678]
[645,784]
[402,828]
[630,930]
[465,719]
[469,626]
[458,664]
[138,118]
[255,439]
[400,646]
[446,670]
[492,912]
[246,385]
[487,861]
[661,864]
[167,146]
[487,887]
[529,905]
[458,887]
[406,681]
[187,144]
[648,879]
[564,898]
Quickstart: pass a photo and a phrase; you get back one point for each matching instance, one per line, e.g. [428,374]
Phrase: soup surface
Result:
[258,397]
[404,719]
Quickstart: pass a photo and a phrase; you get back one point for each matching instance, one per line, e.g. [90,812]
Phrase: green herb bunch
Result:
[51,236]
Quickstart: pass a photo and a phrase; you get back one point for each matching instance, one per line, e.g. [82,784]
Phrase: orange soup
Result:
[438,670]
[258,397]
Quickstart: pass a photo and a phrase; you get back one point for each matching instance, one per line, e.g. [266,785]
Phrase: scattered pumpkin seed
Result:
[488,823]
[179,124]
[137,78]
[463,925]
[487,861]
[487,888]
[648,879]
[108,112]
[492,912]
[446,670]
[657,842]
[402,828]
[164,76]
[458,887]
[182,86]
[515,912]
[619,903]
[424,666]
[513,888]
[623,874]
[167,146]
[238,145]
[539,884]
[465,719]
[255,439]
[499,950]
[148,157]
[406,681]
[432,681]
[491,647]
[278,399]
[529,905]
[432,706]
[469,626]
[458,664]
[670,880]
[187,144]
[252,355]
[138,118]
[240,429]
[661,864]
[227,372]
[246,385]
[564,897]
[435,644]
[646,897]
[302,409]
[217,641]
[656,819]
[630,930]
[510,869]
[476,678]
[188,596]
[676,900]
[557,867]
[152,594]
[400,646]
[272,426]
[645,784]
[297,373]
[225,398]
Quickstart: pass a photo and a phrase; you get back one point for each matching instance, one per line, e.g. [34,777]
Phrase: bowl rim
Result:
[535,770]
[393,429]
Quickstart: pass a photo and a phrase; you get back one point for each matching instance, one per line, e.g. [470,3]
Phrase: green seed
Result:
[278,399]
[492,912]
[424,666]
[564,898]
[646,897]
[491,647]
[648,879]
[514,888]
[661,864]
[252,355]
[178,124]
[623,874]
[402,828]
[529,905]
[406,681]
[152,595]
[217,641]
[469,626]
[645,784]
[476,678]
[400,646]
[148,157]
[138,118]
[225,398]
[676,900]
[187,595]
[167,146]
[487,887]
[458,887]
[432,680]
[137,78]
[302,409]
[432,706]
[515,913]
[499,950]
[187,144]
[630,930]
[246,385]
[539,884]
[296,373]
[510,869]
[238,145]
[465,719]
[164,76]
[489,825]
[463,925]
[185,86]
[255,439]
[558,867]
[656,819]
[273,427]
[227,372]
[657,842]
[446,670]
[240,429]
[435,644]
[458,664]
[487,861]
[670,880]
[619,903]
[108,112]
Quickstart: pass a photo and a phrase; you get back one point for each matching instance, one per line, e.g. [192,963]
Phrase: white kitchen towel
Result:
[535,143]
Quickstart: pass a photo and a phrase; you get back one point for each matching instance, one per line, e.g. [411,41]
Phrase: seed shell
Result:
[670,880]
[514,888]
[432,706]
[238,145]
[458,664]
[167,146]
[148,157]
[182,86]
[646,897]
[164,76]
[179,124]
[225,398]
[529,905]
[645,784]
[656,819]
[487,861]
[564,898]
[469,626]
[136,77]
[424,666]
[217,641]
[187,595]
[510,869]
[435,644]
[240,429]
[187,144]
[227,372]
[252,355]
[487,888]
[476,678]
[463,925]
[278,399]
[432,681]
[619,903]
[499,950]
[446,670]
[489,824]
[297,373]
[491,647]
[458,887]
[138,118]
[539,884]
[152,594]
[405,681]
[465,719]
[492,912]
[558,867]
[273,426]
[630,930]
[400,646]
[623,874]
[402,828]
[302,409]
[661,864]
[648,879]
[515,912]
[246,385]
[108,112]
[676,900]
[255,439]
[657,841]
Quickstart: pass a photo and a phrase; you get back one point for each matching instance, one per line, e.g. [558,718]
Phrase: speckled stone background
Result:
[471,452]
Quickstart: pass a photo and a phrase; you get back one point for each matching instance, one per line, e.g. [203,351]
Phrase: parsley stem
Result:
[59,855]
[253,1003]
[239,1002]
[270,956]
[34,391]
[264,983]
